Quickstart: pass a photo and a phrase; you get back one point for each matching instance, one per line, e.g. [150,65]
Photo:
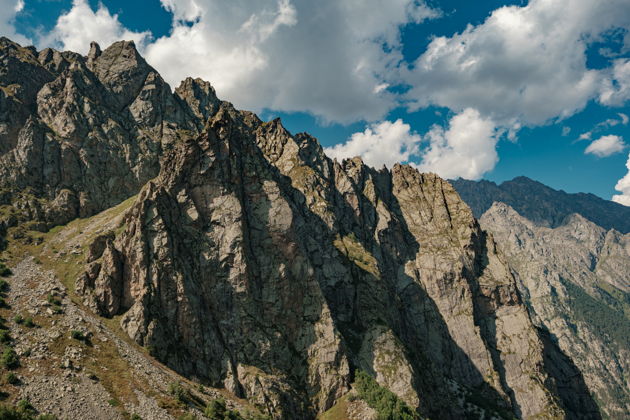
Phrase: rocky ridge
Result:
[256,263]
[249,261]
[541,204]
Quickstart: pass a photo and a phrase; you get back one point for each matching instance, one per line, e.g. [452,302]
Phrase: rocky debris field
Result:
[69,359]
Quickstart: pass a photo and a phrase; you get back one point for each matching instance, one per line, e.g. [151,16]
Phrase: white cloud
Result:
[323,57]
[623,186]
[80,25]
[466,149]
[8,11]
[585,136]
[604,125]
[606,146]
[616,88]
[523,64]
[380,144]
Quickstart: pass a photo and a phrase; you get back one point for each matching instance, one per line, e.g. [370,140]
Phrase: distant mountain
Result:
[542,205]
[574,279]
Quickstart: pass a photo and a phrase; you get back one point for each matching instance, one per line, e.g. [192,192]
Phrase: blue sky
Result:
[491,89]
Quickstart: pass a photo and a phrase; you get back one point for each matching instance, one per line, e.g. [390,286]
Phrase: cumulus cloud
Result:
[324,57]
[80,25]
[8,11]
[466,149]
[623,186]
[606,146]
[524,64]
[385,143]
[616,89]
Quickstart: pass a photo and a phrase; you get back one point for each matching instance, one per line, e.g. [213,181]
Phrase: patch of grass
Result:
[350,246]
[339,411]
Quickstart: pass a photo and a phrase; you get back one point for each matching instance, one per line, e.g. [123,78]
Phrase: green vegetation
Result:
[18,319]
[217,410]
[388,405]
[178,392]
[5,337]
[613,324]
[4,270]
[350,246]
[11,378]
[9,359]
[28,322]
[77,335]
[54,300]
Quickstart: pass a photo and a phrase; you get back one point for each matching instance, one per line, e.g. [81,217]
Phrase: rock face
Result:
[81,134]
[256,263]
[542,205]
[575,280]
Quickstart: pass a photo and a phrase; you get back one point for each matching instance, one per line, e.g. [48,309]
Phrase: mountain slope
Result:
[575,280]
[319,268]
[250,261]
[541,204]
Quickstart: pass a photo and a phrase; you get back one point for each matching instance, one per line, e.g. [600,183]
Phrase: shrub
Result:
[25,406]
[12,413]
[216,409]
[5,271]
[135,416]
[5,337]
[28,322]
[388,405]
[4,286]
[11,378]
[54,300]
[18,319]
[178,392]
[77,335]
[9,359]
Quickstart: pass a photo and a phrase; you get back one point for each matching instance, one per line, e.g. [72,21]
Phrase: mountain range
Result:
[171,256]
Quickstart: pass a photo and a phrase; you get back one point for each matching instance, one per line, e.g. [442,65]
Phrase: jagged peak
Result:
[95,51]
[200,98]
